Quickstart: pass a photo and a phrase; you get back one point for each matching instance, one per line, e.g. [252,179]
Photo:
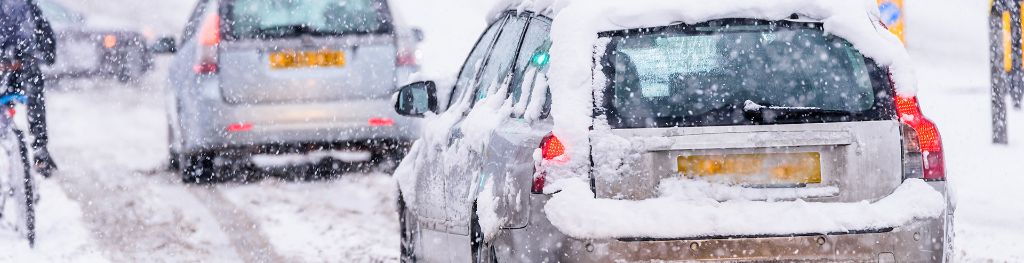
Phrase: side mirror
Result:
[165,45]
[416,99]
[417,34]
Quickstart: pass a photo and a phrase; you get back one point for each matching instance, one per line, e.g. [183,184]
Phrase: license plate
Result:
[307,59]
[754,169]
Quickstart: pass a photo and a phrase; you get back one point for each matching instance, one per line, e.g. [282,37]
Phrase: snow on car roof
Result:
[577,23]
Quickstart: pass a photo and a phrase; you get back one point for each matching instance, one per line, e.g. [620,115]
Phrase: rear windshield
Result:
[290,18]
[739,72]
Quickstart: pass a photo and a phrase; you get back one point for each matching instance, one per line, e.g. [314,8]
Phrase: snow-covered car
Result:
[87,50]
[286,78]
[676,130]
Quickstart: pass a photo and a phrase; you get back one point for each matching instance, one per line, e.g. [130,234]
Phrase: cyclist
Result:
[18,56]
[34,47]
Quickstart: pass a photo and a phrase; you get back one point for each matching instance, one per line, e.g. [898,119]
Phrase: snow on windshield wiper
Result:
[766,114]
[750,105]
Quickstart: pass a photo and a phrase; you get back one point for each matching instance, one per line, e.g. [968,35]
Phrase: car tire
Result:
[408,230]
[482,249]
[197,168]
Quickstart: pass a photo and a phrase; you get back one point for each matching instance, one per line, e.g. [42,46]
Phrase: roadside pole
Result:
[1001,44]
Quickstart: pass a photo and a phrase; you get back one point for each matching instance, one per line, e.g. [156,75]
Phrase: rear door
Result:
[775,110]
[280,51]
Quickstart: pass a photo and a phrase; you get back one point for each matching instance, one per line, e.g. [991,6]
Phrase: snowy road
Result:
[110,141]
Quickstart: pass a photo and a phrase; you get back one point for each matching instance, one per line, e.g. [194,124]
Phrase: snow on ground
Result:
[61,236]
[350,218]
[948,40]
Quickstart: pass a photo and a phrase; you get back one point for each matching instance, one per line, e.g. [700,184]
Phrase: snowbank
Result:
[576,212]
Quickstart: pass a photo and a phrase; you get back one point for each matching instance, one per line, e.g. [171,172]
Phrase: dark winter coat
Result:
[24,33]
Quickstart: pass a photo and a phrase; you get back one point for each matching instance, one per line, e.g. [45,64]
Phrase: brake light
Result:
[239,127]
[405,58]
[551,149]
[209,40]
[922,145]
[382,122]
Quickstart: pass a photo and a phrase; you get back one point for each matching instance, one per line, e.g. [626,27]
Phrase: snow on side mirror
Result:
[416,99]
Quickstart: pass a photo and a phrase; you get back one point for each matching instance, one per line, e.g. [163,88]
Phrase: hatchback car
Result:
[270,77]
[725,138]
[88,50]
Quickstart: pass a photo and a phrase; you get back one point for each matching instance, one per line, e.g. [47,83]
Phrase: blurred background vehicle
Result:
[276,79]
[87,49]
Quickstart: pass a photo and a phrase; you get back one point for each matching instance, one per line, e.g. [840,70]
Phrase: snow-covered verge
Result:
[985,179]
[575,212]
[61,234]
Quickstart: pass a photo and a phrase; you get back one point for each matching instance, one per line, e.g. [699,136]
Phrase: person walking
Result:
[31,38]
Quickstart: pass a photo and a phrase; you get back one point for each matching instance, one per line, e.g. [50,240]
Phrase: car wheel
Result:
[197,168]
[408,230]
[483,250]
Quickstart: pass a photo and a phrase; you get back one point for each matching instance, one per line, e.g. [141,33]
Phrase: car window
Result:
[287,18]
[531,65]
[734,71]
[57,14]
[499,63]
[475,61]
[193,21]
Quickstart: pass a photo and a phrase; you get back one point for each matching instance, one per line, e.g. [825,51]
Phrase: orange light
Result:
[109,41]
[1007,43]
[209,34]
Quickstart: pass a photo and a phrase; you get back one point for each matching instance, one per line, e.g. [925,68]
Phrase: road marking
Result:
[244,232]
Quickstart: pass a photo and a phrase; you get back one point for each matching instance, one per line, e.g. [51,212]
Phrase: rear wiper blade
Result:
[771,114]
[751,106]
[291,30]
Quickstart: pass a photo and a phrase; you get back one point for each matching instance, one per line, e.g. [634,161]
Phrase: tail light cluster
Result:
[209,40]
[551,149]
[922,146]
[406,57]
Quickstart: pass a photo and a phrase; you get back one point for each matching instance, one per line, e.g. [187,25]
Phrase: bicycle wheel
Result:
[21,191]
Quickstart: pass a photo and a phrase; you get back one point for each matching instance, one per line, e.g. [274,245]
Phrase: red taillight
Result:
[922,146]
[382,122]
[209,40]
[239,127]
[406,58]
[551,149]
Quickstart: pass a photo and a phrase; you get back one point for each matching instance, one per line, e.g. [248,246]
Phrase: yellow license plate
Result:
[754,169]
[307,59]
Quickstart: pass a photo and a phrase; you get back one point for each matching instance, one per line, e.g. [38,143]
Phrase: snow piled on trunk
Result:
[576,212]
[577,24]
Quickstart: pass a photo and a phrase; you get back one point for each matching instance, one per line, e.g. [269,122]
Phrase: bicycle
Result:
[17,185]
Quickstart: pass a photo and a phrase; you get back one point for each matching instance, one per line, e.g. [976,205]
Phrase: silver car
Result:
[286,77]
[775,112]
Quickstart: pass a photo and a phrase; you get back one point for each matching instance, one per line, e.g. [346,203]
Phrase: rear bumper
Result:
[920,241]
[205,125]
